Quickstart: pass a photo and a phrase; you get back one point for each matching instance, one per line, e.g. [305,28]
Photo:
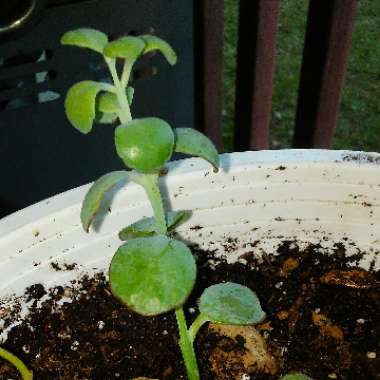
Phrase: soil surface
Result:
[323,318]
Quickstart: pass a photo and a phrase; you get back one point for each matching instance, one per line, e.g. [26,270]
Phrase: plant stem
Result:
[125,111]
[196,325]
[186,345]
[127,68]
[150,184]
[26,374]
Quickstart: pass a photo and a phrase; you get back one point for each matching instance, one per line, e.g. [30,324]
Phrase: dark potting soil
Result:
[323,318]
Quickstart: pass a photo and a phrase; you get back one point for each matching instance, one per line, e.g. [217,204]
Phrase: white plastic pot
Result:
[309,196]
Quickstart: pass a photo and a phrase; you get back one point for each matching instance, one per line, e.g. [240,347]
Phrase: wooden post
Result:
[327,45]
[255,68]
[208,72]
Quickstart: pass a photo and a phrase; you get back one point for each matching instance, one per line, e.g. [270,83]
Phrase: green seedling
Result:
[25,373]
[151,272]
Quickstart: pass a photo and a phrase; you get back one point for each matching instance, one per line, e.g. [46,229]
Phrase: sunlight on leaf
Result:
[128,47]
[86,37]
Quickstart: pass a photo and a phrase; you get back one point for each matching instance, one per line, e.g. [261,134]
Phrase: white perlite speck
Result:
[101,325]
[74,345]
[371,355]
[332,376]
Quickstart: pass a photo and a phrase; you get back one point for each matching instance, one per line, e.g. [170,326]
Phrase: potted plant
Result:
[153,272]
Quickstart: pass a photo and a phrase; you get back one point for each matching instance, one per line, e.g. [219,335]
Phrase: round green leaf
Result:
[152,275]
[156,43]
[295,376]
[80,104]
[128,47]
[144,144]
[231,303]
[86,37]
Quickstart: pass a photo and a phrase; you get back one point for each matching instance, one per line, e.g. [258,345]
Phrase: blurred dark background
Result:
[251,74]
[40,153]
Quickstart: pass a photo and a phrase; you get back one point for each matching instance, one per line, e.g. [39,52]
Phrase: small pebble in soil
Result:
[278,285]
[371,355]
[26,349]
[332,376]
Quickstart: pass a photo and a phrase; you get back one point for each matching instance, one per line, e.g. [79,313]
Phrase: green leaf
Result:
[128,47]
[176,218]
[194,143]
[108,103]
[95,195]
[144,144]
[152,275]
[86,37]
[295,376]
[105,118]
[231,303]
[147,226]
[80,104]
[156,43]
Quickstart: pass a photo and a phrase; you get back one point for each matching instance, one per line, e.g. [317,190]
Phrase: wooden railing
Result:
[326,49]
